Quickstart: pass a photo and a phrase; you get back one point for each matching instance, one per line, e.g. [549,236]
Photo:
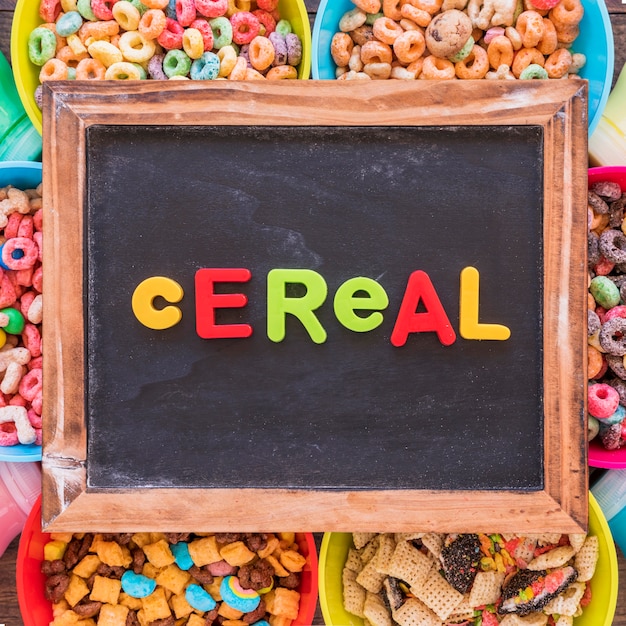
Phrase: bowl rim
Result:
[602,528]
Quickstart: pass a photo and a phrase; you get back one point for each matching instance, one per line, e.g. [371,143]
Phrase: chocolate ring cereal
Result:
[612,244]
[294,49]
[474,66]
[593,322]
[524,58]
[280,48]
[435,68]
[500,52]
[341,48]
[531,28]
[612,336]
[261,53]
[567,12]
[53,69]
[90,69]
[376,52]
[409,46]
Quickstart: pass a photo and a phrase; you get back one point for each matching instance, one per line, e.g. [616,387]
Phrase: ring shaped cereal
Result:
[530,27]
[430,6]
[206,31]
[239,71]
[136,48]
[222,32]
[212,8]
[474,66]
[185,12]
[90,69]
[352,19]
[533,71]
[98,30]
[282,72]
[69,23]
[377,71]
[594,362]
[567,12]
[391,9]
[261,53]
[558,63]
[294,49]
[156,4]
[418,16]
[341,48]
[245,26]
[514,37]
[416,67]
[566,34]
[193,44]
[267,5]
[152,23]
[122,70]
[176,63]
[42,45]
[60,41]
[266,20]
[206,67]
[19,253]
[102,9]
[235,6]
[280,48]
[408,24]
[69,57]
[409,46]
[53,69]
[500,52]
[369,6]
[227,57]
[386,30]
[435,68]
[126,15]
[548,43]
[172,36]
[376,52]
[523,58]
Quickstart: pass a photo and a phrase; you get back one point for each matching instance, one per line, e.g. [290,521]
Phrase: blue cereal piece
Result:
[261,623]
[69,23]
[207,67]
[137,585]
[180,551]
[238,598]
[199,598]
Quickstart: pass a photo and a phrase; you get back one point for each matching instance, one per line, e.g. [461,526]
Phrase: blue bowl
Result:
[595,42]
[25,175]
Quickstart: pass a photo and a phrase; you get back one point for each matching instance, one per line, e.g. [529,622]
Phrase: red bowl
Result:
[598,456]
[37,611]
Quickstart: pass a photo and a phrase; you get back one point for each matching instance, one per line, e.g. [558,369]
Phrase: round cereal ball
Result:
[447,33]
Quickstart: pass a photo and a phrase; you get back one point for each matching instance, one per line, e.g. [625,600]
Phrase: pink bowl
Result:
[598,456]
[37,611]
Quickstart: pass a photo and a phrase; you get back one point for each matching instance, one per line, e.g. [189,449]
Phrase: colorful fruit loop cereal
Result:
[606,315]
[458,39]
[20,316]
[173,579]
[436,579]
[157,39]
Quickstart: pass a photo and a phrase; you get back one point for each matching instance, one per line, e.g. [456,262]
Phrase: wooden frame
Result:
[559,107]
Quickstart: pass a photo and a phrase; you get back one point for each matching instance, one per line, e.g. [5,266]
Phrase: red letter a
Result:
[434,319]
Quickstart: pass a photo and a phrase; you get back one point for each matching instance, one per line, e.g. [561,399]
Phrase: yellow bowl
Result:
[26,19]
[599,612]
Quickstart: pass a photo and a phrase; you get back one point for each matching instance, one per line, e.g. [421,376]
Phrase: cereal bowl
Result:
[598,455]
[36,610]
[595,41]
[599,612]
[26,18]
[24,175]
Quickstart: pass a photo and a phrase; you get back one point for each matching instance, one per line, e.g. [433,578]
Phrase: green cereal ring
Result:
[42,45]
[463,52]
[176,63]
[84,8]
[143,75]
[372,17]
[283,27]
[140,6]
[604,292]
[534,70]
[222,32]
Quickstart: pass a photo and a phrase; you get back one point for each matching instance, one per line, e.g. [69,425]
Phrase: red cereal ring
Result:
[172,36]
[544,5]
[185,12]
[13,225]
[102,9]
[25,301]
[36,362]
[602,400]
[34,419]
[212,8]
[25,228]
[8,434]
[38,219]
[24,277]
[37,280]
[19,253]
[37,402]
[49,10]
[8,294]
[30,384]
[267,5]
[32,339]
[206,31]
[245,25]
[38,239]
[17,400]
[266,20]
[38,436]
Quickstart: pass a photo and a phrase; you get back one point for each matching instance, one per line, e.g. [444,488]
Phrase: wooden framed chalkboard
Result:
[315,306]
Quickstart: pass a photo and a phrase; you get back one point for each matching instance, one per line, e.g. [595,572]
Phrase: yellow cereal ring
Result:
[228,58]
[126,15]
[193,44]
[135,48]
[282,72]
[122,70]
[105,52]
[98,30]
[239,69]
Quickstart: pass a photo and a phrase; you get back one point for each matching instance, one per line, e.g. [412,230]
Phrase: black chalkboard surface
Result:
[167,408]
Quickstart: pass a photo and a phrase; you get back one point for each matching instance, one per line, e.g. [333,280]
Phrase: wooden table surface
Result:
[9,610]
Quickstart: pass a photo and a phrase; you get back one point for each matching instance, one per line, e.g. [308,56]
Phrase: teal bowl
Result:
[595,42]
[25,175]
